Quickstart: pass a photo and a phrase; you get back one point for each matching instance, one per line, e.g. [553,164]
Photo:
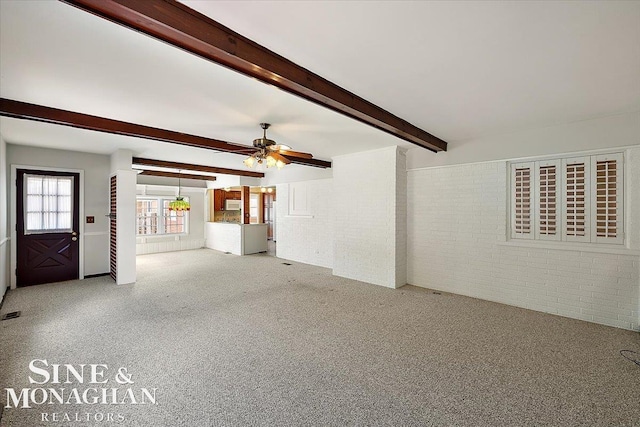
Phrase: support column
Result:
[370,221]
[124,250]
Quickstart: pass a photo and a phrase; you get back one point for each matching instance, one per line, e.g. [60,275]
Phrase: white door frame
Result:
[14,216]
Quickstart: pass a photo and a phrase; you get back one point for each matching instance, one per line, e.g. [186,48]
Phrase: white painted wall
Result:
[96,195]
[294,173]
[170,182]
[223,181]
[369,219]
[307,237]
[195,237]
[457,219]
[605,132]
[4,219]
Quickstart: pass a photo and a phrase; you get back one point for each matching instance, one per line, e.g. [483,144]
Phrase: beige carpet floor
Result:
[248,341]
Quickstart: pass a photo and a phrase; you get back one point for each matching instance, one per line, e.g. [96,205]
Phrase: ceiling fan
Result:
[268,152]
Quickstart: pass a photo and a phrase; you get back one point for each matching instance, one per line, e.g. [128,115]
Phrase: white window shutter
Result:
[576,200]
[606,199]
[548,200]
[522,207]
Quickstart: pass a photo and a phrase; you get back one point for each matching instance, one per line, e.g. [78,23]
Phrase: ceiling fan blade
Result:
[278,147]
[283,159]
[296,154]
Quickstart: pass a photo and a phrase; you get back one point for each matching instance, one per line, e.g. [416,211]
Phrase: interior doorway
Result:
[47,224]
[270,220]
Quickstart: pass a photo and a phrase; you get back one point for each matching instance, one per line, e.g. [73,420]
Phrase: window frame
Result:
[590,240]
[161,217]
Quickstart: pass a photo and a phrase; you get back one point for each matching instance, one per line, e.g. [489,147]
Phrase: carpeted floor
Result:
[248,341]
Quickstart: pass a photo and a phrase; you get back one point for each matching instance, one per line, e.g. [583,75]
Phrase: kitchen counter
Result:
[238,239]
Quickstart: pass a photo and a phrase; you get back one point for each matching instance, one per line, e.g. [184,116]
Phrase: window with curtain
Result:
[48,204]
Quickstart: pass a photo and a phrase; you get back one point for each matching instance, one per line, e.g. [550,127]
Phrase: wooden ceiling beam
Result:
[191,167]
[178,175]
[24,110]
[184,28]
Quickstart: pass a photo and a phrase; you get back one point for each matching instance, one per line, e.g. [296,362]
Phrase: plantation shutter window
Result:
[547,200]
[606,198]
[576,199]
[521,201]
[570,199]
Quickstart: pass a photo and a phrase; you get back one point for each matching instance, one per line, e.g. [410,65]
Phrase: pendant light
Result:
[179,204]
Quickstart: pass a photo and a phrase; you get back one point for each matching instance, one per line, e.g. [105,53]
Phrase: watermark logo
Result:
[85,384]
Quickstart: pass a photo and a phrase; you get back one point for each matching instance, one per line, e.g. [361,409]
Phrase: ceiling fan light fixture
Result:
[271,154]
[250,161]
[271,160]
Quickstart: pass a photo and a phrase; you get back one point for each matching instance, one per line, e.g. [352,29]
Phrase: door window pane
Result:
[48,203]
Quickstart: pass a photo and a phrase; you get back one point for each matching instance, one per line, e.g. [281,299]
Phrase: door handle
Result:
[74,238]
[74,233]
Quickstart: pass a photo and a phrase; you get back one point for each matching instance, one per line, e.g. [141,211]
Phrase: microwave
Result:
[233,205]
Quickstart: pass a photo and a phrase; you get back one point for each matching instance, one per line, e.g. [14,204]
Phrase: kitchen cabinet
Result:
[218,200]
[233,195]
[220,196]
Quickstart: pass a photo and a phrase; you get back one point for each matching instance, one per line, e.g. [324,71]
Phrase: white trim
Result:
[13,214]
[96,233]
[166,190]
[5,240]
[292,216]
[538,157]
[569,246]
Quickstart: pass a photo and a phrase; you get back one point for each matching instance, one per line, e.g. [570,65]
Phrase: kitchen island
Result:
[238,239]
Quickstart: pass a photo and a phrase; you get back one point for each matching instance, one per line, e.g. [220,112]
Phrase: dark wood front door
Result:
[47,226]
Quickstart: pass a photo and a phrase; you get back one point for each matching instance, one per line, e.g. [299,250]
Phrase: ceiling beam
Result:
[178,175]
[183,27]
[191,167]
[23,110]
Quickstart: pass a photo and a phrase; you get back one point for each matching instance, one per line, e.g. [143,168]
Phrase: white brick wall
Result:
[457,226]
[307,239]
[369,216]
[401,219]
[224,237]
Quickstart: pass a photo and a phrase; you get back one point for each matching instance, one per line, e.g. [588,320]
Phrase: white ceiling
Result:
[459,70]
